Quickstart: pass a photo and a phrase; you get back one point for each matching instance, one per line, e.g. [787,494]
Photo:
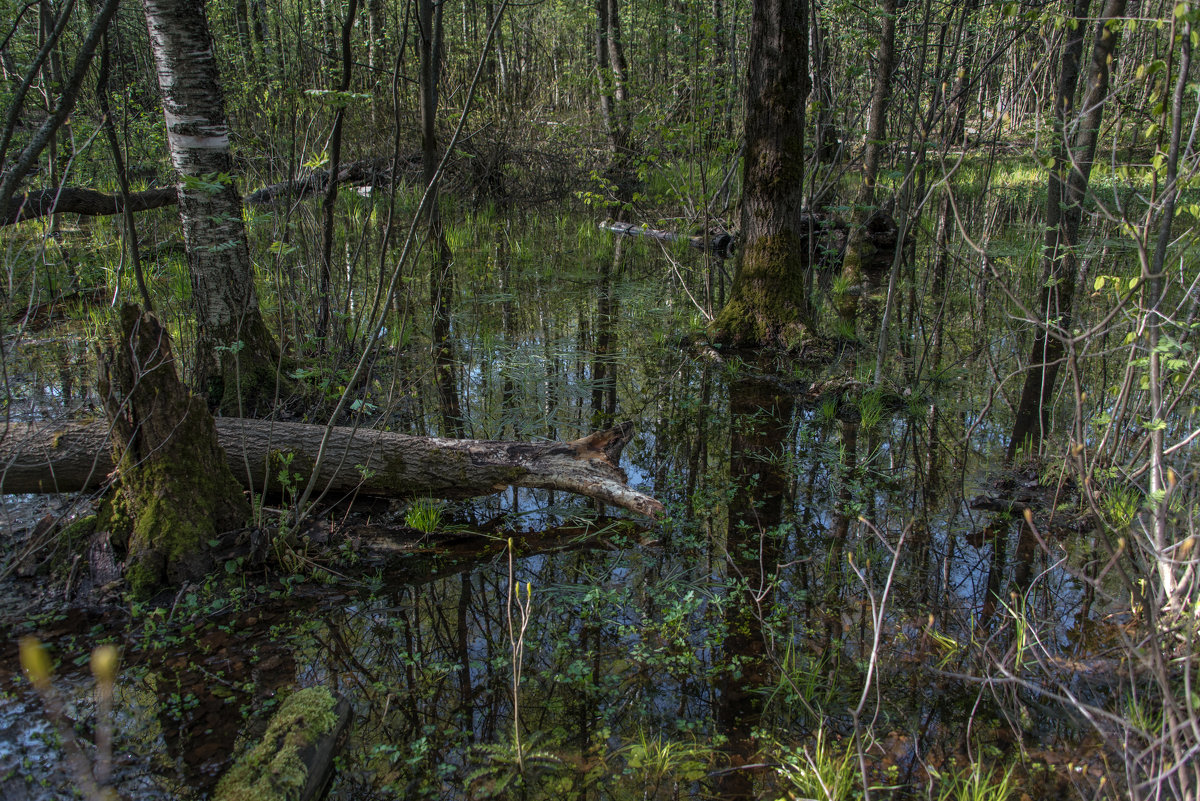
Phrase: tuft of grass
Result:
[819,771]
[662,762]
[870,408]
[975,783]
[424,515]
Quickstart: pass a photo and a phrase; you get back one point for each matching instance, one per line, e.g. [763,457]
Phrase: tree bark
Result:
[1064,213]
[175,485]
[70,457]
[236,356]
[767,304]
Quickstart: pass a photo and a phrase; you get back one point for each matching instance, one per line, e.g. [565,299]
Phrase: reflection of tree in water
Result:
[760,418]
[200,691]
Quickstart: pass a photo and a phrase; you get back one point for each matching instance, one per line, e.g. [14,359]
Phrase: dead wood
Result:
[89,202]
[69,457]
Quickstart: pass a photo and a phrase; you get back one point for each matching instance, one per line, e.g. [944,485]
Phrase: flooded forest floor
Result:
[825,604]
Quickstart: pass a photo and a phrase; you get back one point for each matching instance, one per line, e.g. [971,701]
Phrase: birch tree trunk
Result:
[236,356]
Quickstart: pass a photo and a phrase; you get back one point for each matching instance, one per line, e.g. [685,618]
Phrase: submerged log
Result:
[721,245]
[69,457]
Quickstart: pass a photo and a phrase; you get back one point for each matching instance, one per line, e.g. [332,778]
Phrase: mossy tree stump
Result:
[175,485]
[293,761]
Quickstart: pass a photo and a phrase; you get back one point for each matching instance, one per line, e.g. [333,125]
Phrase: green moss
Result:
[144,576]
[78,533]
[113,516]
[766,305]
[273,770]
[175,485]
[174,523]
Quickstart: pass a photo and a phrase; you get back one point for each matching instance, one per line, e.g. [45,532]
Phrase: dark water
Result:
[812,547]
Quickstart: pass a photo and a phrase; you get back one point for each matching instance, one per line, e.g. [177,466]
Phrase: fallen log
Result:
[89,202]
[51,457]
[92,203]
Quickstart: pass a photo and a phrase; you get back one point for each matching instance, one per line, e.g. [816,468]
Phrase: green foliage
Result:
[974,783]
[424,515]
[820,770]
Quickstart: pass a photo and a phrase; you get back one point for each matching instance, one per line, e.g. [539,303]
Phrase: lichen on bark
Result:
[175,485]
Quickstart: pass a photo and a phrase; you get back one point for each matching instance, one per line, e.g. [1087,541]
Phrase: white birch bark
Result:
[234,350]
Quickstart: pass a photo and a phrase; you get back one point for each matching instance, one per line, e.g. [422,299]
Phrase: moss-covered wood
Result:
[293,761]
[175,485]
[870,249]
[767,305]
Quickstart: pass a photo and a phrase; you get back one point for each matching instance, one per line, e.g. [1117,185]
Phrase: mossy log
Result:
[69,457]
[294,759]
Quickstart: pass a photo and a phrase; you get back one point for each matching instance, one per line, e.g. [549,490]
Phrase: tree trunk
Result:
[767,304]
[861,260]
[175,484]
[1064,213]
[441,275]
[49,457]
[614,103]
[331,189]
[236,356]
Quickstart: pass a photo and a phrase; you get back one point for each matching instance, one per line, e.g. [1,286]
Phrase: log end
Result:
[607,444]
